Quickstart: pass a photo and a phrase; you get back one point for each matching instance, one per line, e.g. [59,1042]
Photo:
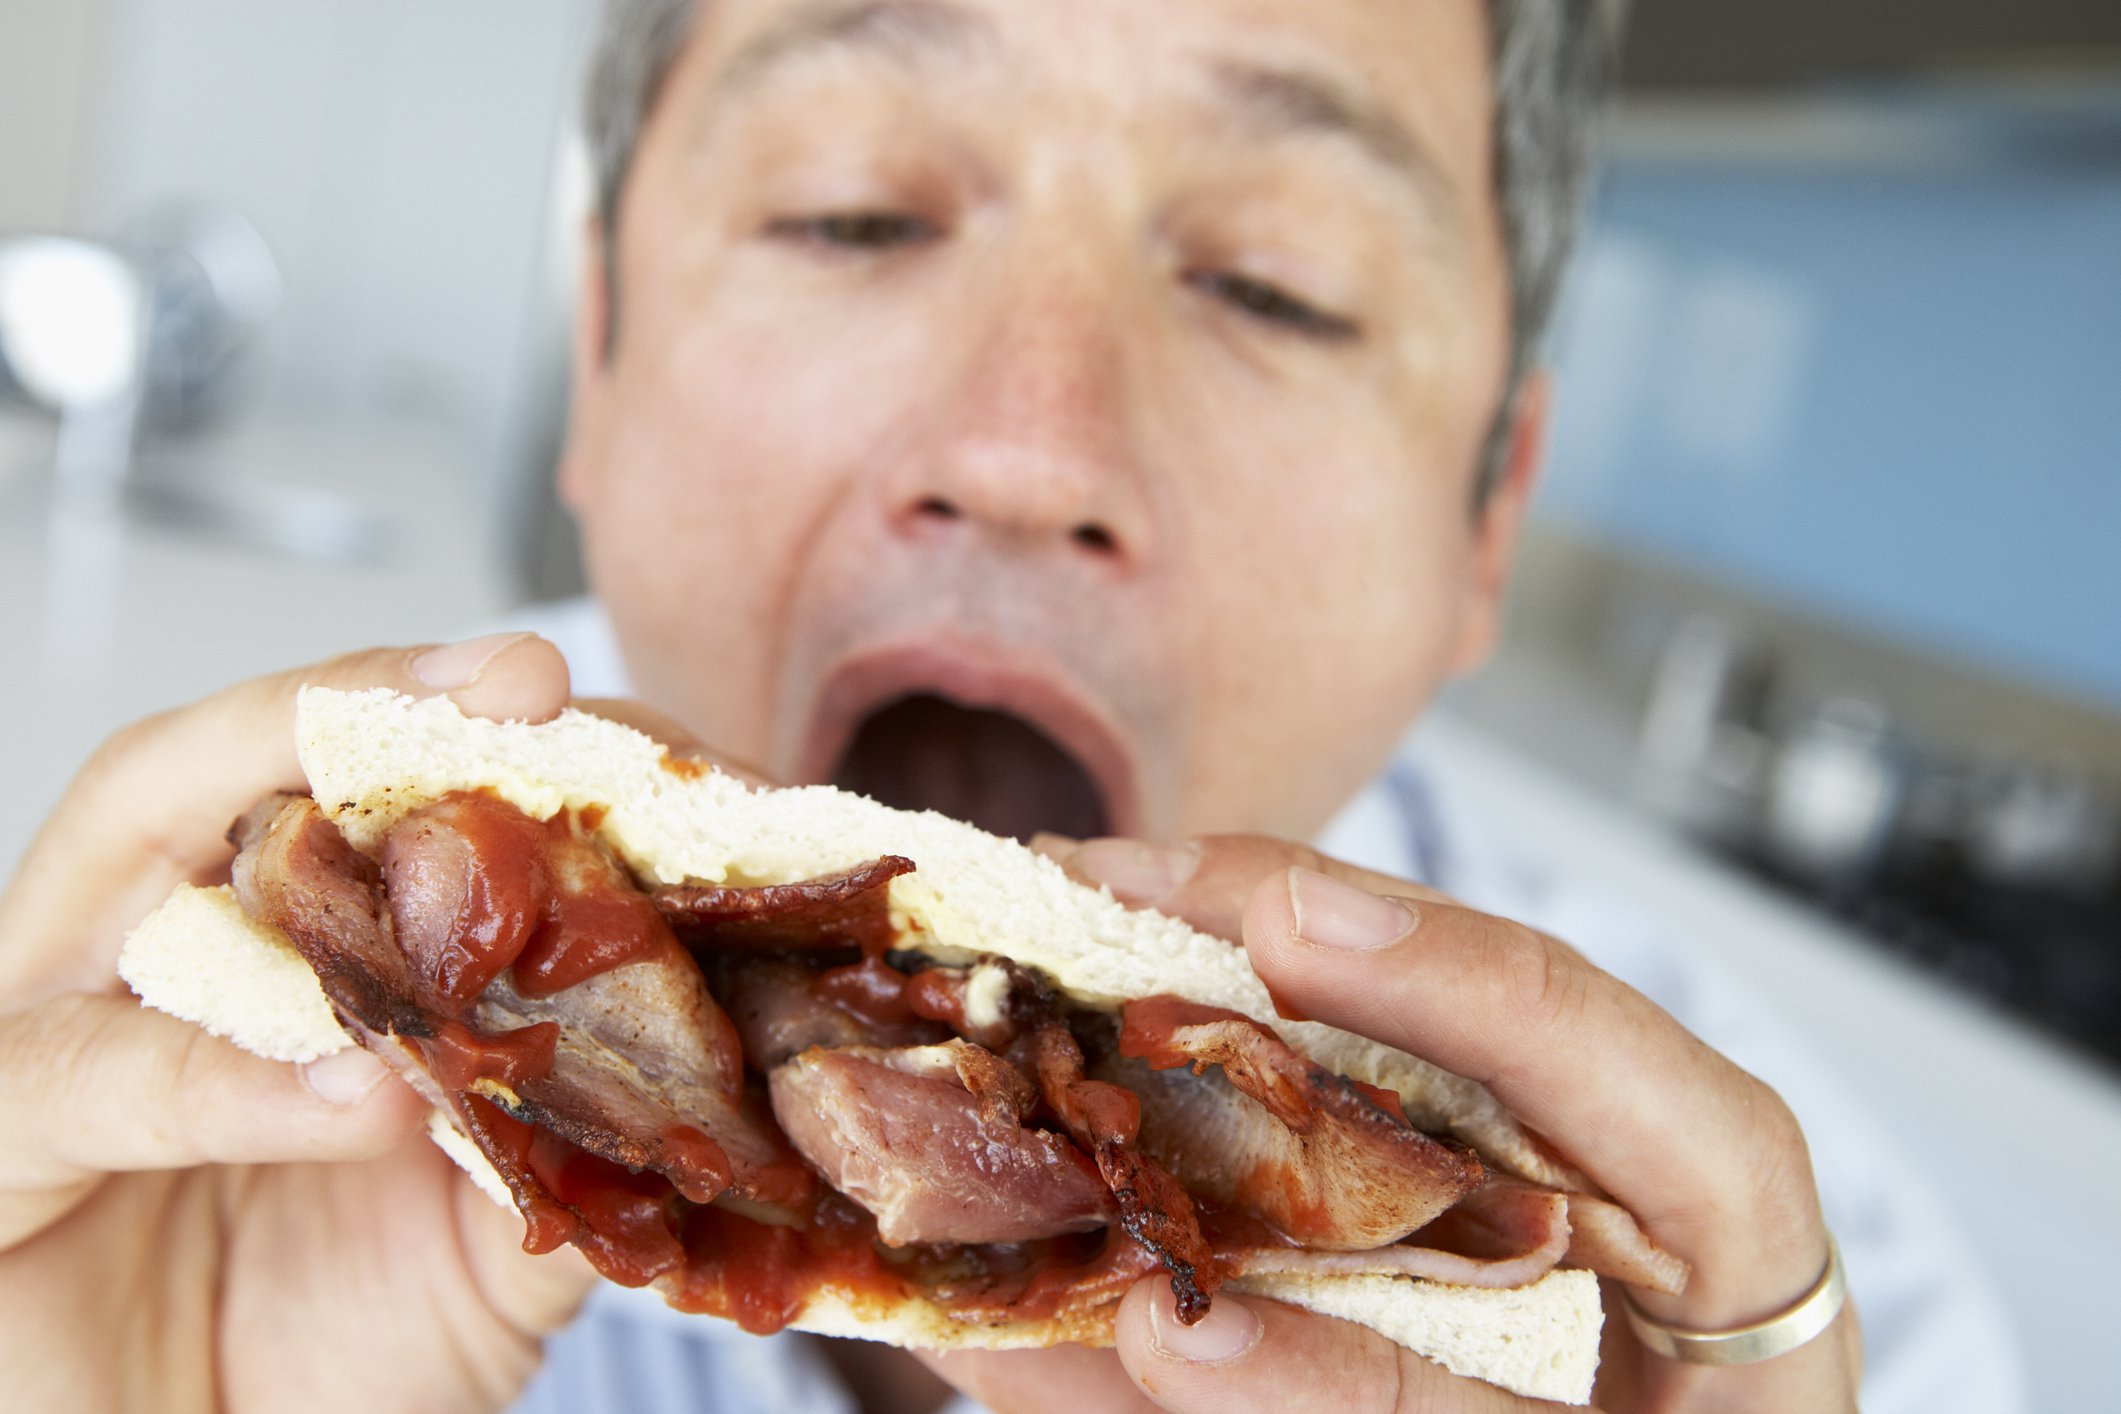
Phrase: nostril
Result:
[938,508]
[1095,538]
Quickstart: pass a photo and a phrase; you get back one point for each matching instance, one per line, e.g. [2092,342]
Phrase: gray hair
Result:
[1553,67]
[1553,71]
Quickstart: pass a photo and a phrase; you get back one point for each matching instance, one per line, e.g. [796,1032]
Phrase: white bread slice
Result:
[1540,1341]
[373,756]
[201,958]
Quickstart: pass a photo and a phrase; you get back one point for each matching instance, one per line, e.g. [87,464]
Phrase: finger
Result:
[1705,1155]
[1067,1379]
[1056,847]
[1710,1159]
[1259,1355]
[673,734]
[92,1085]
[535,1295]
[1579,1056]
[149,810]
[1205,881]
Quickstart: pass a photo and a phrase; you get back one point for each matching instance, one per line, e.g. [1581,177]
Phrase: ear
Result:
[1499,521]
[589,365]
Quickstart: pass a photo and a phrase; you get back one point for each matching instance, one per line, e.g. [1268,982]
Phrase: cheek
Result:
[1328,566]
[1351,582]
[682,579]
[1321,662]
[728,434]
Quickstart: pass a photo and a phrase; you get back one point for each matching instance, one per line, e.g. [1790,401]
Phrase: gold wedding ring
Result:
[1762,1340]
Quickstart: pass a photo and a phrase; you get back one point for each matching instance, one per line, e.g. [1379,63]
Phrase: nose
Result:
[1027,447]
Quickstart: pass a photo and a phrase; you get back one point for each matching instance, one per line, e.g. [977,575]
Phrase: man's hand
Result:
[184,1226]
[1708,1158]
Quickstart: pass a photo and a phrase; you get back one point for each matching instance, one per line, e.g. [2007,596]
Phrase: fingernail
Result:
[1135,871]
[456,665]
[344,1077]
[1226,1332]
[1054,847]
[1331,914]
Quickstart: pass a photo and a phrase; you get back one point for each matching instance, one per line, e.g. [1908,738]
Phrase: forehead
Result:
[1406,83]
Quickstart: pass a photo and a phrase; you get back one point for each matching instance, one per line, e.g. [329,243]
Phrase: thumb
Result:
[536,1295]
[1061,1379]
[94,1084]
[151,808]
[1249,1354]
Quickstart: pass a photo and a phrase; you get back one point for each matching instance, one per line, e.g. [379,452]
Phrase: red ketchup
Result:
[505,899]
[587,932]
[631,1217]
[507,1142]
[541,900]
[760,1275]
[1146,1027]
[702,1169]
[871,989]
[938,994]
[461,1056]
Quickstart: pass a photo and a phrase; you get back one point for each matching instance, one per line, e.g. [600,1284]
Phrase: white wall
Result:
[397,156]
[47,51]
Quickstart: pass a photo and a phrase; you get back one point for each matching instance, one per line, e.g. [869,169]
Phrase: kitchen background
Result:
[1818,638]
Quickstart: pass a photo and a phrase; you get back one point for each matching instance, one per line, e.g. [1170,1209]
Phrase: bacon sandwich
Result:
[800,1060]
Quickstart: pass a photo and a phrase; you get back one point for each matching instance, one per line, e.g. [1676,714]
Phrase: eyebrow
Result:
[1272,103]
[907,32]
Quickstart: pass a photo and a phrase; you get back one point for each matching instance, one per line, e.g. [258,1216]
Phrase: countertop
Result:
[103,621]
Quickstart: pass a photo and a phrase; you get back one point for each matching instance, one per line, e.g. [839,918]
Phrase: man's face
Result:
[1062,415]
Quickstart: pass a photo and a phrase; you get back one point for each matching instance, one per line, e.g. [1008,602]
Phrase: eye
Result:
[854,230]
[1270,305]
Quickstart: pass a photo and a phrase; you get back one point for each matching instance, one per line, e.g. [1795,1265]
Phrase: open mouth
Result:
[987,767]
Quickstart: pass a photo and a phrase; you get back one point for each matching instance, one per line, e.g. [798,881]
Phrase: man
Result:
[1100,418]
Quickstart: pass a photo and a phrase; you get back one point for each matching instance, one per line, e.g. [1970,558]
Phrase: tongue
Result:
[988,768]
